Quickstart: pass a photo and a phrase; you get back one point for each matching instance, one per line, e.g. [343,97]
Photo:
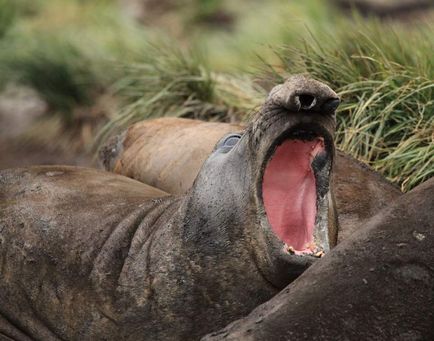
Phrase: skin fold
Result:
[376,285]
[167,153]
[91,255]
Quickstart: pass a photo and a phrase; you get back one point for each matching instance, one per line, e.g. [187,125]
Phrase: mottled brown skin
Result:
[376,285]
[168,152]
[90,255]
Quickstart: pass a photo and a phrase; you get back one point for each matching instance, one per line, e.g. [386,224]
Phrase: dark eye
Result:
[227,142]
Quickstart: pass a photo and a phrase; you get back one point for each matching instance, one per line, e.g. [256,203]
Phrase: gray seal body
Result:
[89,255]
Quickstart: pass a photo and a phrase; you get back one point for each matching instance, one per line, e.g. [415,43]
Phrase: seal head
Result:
[274,178]
[92,255]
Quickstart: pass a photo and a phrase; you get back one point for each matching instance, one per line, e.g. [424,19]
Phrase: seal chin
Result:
[291,189]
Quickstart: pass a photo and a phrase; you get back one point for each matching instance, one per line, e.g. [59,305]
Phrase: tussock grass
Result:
[173,82]
[7,16]
[259,25]
[384,76]
[66,50]
[56,69]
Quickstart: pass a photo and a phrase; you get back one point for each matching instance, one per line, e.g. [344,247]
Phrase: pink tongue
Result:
[289,192]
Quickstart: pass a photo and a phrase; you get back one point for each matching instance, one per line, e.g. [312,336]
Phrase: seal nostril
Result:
[306,101]
[331,105]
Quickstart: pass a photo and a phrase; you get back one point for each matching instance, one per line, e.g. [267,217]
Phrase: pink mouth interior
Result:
[289,193]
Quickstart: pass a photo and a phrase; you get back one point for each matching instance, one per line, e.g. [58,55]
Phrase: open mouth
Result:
[289,189]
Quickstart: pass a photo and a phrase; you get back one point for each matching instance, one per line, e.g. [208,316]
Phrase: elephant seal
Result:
[89,255]
[167,153]
[376,285]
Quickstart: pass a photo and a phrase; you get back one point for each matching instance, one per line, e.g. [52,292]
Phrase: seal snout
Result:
[297,166]
[303,94]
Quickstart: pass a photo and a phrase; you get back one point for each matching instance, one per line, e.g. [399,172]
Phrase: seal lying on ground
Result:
[168,152]
[88,255]
[376,285]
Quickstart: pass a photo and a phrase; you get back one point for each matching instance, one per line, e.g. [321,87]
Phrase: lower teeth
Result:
[289,249]
[313,250]
[319,254]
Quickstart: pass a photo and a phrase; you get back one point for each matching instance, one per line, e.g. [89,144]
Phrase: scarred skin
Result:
[376,285]
[90,255]
[168,152]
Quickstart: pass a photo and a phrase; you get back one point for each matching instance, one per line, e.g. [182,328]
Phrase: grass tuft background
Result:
[92,61]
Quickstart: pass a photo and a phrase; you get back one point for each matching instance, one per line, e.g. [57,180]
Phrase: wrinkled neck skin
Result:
[225,258]
[219,258]
[176,268]
[227,224]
